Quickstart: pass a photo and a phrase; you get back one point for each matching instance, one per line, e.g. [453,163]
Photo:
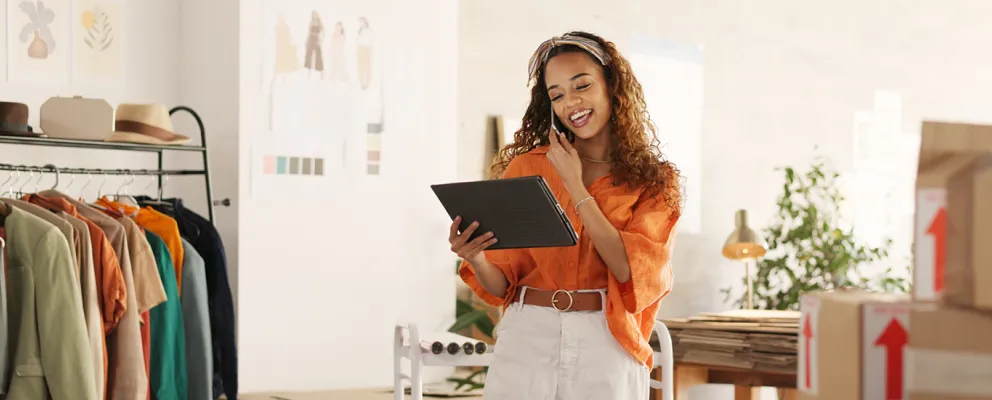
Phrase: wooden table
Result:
[747,383]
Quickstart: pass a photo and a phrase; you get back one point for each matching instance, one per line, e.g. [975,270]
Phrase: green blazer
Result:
[47,332]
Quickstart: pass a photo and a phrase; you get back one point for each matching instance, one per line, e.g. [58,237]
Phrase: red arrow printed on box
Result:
[807,338]
[894,339]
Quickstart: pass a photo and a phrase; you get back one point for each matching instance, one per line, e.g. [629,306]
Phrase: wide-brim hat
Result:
[144,124]
[14,120]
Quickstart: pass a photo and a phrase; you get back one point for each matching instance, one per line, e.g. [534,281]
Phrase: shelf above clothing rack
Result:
[133,147]
[49,168]
[90,144]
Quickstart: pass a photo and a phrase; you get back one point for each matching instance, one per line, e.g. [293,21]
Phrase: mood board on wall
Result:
[58,41]
[322,73]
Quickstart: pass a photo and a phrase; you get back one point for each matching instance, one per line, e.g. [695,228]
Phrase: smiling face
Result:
[579,93]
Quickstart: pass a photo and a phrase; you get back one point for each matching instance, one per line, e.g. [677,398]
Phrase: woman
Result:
[577,319]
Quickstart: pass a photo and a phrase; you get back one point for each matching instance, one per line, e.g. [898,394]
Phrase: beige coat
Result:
[127,379]
[44,298]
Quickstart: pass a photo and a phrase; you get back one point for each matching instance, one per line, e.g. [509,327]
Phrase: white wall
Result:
[781,76]
[324,278]
[209,83]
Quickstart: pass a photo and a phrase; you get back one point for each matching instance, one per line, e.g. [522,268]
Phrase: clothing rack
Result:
[133,147]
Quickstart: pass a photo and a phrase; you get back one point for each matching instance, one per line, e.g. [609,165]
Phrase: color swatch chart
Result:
[291,165]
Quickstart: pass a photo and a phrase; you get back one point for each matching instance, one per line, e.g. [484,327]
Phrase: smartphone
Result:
[559,127]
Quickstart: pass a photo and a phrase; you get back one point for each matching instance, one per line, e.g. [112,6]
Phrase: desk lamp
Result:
[744,244]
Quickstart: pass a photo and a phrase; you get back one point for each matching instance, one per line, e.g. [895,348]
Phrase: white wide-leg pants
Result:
[543,354]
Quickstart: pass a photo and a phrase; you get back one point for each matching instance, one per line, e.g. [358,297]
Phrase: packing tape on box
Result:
[948,372]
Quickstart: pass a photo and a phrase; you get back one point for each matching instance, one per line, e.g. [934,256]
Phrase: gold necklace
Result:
[595,161]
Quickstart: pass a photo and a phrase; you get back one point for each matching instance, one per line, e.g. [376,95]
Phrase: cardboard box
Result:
[851,345]
[953,212]
[950,354]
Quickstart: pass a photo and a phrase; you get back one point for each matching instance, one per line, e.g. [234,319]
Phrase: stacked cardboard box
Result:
[936,345]
[759,340]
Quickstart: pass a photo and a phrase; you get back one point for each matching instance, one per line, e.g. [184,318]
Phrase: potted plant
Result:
[475,319]
[808,250]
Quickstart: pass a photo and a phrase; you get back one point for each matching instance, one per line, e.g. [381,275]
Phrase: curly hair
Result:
[637,158]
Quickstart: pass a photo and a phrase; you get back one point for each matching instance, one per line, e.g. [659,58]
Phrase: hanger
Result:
[82,190]
[72,178]
[126,198]
[10,175]
[20,190]
[10,189]
[160,202]
[41,175]
[99,190]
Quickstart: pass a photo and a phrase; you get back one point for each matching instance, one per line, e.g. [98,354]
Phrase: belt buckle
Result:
[554,300]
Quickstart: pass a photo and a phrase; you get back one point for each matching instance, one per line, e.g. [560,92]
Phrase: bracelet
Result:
[582,201]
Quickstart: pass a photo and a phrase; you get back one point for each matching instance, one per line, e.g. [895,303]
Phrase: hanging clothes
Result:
[4,352]
[146,342]
[160,224]
[43,297]
[125,379]
[63,226]
[168,361]
[204,237]
[83,272]
[148,287]
[91,303]
[110,288]
[196,319]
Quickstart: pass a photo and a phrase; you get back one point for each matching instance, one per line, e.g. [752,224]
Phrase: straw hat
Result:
[145,124]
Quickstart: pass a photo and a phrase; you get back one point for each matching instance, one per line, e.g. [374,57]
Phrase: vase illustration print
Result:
[38,48]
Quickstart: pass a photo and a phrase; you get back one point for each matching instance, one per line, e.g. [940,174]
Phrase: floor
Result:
[369,394]
[382,394]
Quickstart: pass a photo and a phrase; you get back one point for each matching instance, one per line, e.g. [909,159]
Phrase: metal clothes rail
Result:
[132,147]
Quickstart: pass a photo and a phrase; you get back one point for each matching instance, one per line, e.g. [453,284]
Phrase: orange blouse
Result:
[160,224]
[647,229]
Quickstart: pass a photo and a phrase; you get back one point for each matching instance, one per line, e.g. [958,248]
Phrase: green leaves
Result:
[809,249]
[467,316]
[474,381]
[99,32]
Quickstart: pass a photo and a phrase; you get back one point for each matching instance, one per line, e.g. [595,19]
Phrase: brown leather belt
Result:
[562,300]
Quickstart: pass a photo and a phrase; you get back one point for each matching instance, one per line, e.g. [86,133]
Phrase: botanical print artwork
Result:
[37,41]
[37,29]
[98,30]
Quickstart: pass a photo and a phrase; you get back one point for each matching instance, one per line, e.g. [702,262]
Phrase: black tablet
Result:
[520,212]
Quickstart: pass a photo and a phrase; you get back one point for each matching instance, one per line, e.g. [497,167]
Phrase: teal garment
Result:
[168,342]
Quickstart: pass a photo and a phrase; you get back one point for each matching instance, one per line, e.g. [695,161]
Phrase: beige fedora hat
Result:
[145,124]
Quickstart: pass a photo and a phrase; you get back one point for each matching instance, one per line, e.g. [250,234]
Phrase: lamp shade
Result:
[743,243]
